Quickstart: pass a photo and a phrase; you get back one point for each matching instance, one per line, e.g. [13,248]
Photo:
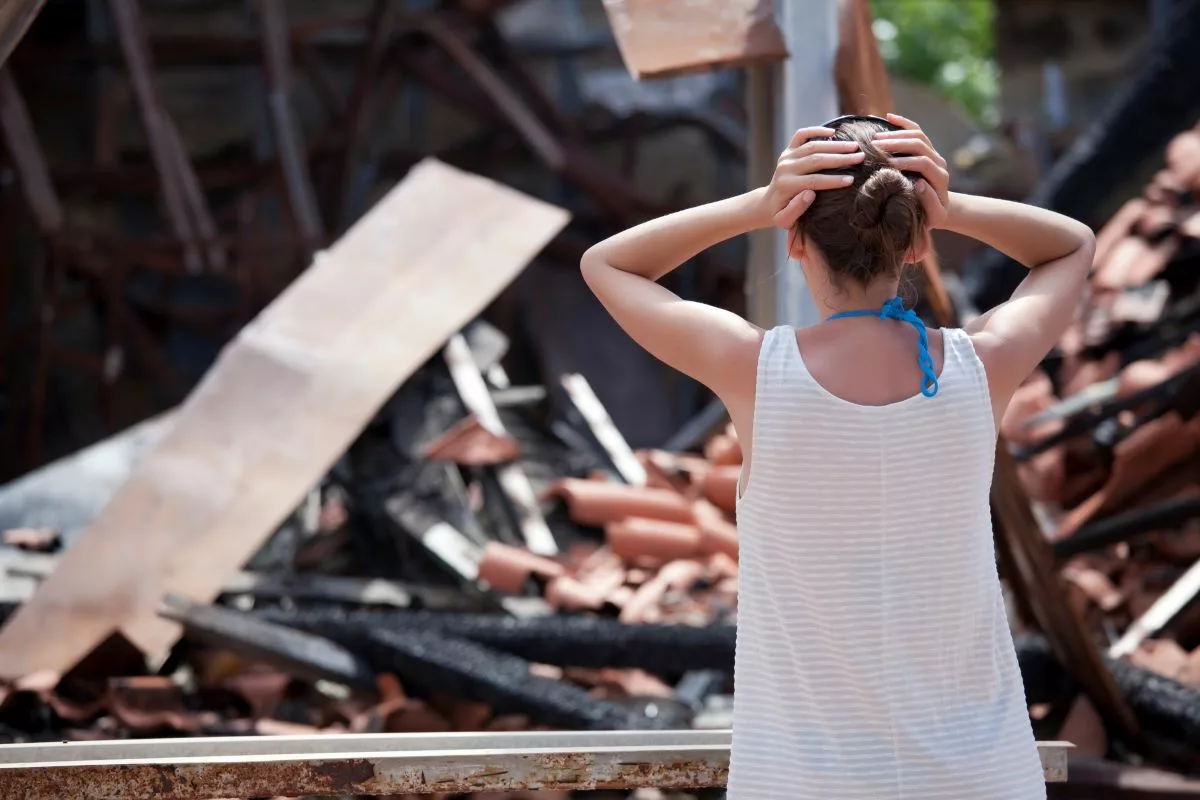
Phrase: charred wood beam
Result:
[1103,157]
[1122,527]
[303,654]
[617,197]
[430,659]
[293,158]
[1178,392]
[1160,705]
[383,19]
[199,50]
[27,157]
[562,640]
[15,18]
[185,204]
[512,478]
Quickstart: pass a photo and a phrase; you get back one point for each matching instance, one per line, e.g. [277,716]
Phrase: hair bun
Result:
[874,199]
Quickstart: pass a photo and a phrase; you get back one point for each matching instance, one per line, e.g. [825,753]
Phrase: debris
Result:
[282,362]
[660,39]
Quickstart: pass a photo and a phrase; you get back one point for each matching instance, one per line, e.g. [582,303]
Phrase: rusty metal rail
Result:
[378,764]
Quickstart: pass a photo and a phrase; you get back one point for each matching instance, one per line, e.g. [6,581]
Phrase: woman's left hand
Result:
[912,151]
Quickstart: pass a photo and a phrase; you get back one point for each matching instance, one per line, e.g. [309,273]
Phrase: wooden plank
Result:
[617,450]
[513,480]
[1177,598]
[15,18]
[28,159]
[659,38]
[282,403]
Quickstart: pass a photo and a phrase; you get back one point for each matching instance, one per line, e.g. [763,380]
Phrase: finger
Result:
[804,134]
[787,216]
[817,181]
[818,162]
[930,169]
[930,201]
[903,122]
[918,147]
[820,146]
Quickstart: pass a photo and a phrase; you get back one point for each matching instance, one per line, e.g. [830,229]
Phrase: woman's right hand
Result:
[798,174]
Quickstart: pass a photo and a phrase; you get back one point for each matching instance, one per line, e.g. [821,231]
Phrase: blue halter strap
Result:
[894,309]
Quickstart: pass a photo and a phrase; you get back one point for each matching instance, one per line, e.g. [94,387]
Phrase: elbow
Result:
[1087,244]
[590,264]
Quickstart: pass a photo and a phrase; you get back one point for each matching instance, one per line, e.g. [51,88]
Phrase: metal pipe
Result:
[380,764]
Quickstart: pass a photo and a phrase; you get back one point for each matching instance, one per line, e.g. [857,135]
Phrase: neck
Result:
[855,298]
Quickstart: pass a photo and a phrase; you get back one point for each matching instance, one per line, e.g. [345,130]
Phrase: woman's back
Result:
[873,653]
[873,658]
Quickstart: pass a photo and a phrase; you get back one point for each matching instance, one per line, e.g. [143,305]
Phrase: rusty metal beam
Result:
[15,18]
[381,764]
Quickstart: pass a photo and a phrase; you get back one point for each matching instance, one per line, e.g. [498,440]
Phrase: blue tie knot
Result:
[893,308]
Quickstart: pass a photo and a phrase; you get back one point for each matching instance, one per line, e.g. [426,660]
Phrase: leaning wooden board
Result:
[281,404]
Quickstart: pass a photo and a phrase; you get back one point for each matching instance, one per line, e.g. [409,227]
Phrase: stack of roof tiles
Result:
[1132,350]
[670,547]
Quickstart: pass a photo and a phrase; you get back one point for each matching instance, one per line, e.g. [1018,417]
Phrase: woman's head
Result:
[869,230]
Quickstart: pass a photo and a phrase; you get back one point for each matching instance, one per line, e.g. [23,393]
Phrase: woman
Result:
[874,659]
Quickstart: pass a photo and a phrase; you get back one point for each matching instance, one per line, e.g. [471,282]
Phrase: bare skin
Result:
[861,360]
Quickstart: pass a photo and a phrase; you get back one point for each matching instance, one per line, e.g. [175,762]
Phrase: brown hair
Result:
[865,230]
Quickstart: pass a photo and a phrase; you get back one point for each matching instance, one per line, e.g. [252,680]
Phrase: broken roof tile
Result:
[720,487]
[506,568]
[659,38]
[598,503]
[469,443]
[637,537]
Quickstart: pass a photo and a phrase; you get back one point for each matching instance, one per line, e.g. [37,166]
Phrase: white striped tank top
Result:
[874,659]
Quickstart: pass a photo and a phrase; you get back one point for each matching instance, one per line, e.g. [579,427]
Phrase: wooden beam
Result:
[512,478]
[289,143]
[186,208]
[27,157]
[596,417]
[15,18]
[660,38]
[283,402]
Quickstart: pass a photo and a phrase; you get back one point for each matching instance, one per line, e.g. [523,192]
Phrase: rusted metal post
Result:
[381,764]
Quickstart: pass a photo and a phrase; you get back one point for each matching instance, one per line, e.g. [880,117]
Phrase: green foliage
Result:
[946,44]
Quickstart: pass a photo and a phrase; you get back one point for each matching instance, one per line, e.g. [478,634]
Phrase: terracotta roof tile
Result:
[595,503]
[723,450]
[1118,227]
[720,487]
[471,444]
[1183,158]
[717,534]
[636,537]
[506,568]
[1152,448]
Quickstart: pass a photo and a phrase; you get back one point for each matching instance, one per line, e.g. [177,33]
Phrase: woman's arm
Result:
[711,345]
[1013,338]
